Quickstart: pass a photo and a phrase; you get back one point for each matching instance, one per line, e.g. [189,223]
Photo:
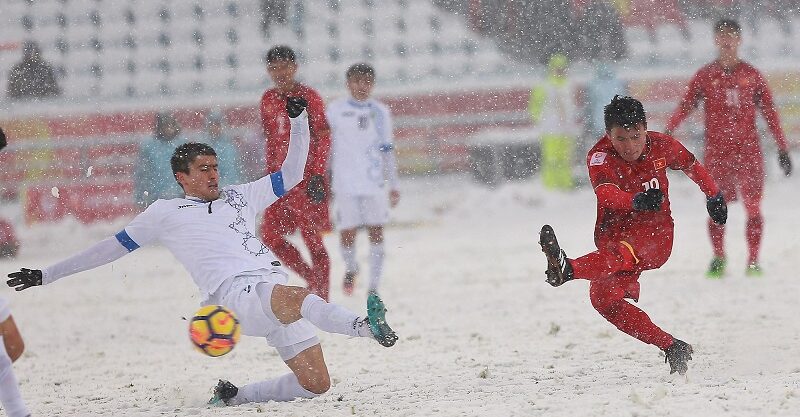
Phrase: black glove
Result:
[649,200]
[785,162]
[295,106]
[315,189]
[717,209]
[3,142]
[25,278]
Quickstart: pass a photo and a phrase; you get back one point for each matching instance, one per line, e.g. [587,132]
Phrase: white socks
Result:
[282,388]
[333,318]
[349,255]
[375,265]
[9,389]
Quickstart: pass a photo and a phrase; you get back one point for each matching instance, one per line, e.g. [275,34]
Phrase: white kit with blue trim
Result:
[214,240]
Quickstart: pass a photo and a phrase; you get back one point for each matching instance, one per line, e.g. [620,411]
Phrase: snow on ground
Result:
[481,333]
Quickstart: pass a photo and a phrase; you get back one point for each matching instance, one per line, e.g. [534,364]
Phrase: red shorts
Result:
[736,180]
[650,243]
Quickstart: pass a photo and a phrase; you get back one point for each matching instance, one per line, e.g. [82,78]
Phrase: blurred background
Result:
[457,74]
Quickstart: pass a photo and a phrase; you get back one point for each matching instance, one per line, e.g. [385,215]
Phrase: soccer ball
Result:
[214,330]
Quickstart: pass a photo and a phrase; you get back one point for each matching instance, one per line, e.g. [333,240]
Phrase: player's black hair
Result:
[280,53]
[624,111]
[360,69]
[727,25]
[2,139]
[186,153]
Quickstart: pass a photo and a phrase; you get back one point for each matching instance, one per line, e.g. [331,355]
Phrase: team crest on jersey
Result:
[660,163]
[597,158]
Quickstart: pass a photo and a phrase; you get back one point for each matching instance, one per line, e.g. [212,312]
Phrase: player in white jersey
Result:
[11,347]
[363,171]
[212,232]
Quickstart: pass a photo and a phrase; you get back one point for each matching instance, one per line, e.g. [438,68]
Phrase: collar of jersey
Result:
[360,104]
[197,199]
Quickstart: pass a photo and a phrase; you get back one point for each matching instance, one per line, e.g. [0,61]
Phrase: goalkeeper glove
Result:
[717,209]
[649,200]
[25,278]
[295,106]
[785,162]
[315,189]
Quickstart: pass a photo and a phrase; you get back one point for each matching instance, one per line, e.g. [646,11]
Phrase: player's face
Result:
[203,178]
[360,86]
[629,142]
[727,42]
[282,74]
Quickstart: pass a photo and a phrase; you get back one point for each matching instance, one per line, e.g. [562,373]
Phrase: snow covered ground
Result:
[481,333]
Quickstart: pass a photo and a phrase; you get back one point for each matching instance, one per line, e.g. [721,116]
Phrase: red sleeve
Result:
[263,112]
[697,172]
[610,196]
[320,136]
[764,100]
[690,102]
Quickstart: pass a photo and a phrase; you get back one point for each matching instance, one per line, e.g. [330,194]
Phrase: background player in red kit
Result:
[634,228]
[732,91]
[304,208]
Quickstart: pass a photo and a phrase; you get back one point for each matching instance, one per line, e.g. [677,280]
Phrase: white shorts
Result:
[354,211]
[248,296]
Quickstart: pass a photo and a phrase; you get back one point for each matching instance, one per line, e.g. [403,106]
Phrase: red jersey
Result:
[731,99]
[275,122]
[616,181]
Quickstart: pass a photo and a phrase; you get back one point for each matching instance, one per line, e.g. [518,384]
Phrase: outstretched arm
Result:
[690,102]
[270,188]
[103,252]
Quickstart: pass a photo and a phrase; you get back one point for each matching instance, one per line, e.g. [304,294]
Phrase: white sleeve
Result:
[388,153]
[5,310]
[103,252]
[268,189]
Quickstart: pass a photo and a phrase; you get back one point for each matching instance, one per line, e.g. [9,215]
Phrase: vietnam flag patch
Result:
[660,163]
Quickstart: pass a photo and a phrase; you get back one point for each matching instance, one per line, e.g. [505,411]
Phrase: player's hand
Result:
[785,162]
[295,106]
[3,142]
[394,197]
[315,189]
[717,208]
[25,278]
[649,200]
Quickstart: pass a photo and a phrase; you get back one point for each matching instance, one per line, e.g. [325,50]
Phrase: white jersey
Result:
[214,240]
[361,136]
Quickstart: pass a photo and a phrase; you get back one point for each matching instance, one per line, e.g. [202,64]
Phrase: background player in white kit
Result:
[11,347]
[212,232]
[363,171]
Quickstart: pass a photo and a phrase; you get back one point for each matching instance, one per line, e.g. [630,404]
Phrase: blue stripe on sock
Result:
[277,183]
[126,241]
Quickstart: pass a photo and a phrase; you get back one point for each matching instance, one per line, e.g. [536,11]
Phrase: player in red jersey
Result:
[304,208]
[634,228]
[732,90]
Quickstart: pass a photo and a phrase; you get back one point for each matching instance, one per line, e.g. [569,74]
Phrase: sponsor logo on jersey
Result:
[660,163]
[597,158]
[349,113]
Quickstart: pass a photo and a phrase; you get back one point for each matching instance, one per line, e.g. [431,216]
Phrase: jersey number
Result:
[653,183]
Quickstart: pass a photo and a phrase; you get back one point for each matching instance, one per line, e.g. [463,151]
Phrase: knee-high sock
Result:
[9,388]
[349,256]
[755,228]
[320,262]
[607,300]
[375,265]
[282,388]
[333,318]
[717,234]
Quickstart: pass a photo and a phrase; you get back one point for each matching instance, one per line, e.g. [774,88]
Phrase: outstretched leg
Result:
[607,297]
[319,278]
